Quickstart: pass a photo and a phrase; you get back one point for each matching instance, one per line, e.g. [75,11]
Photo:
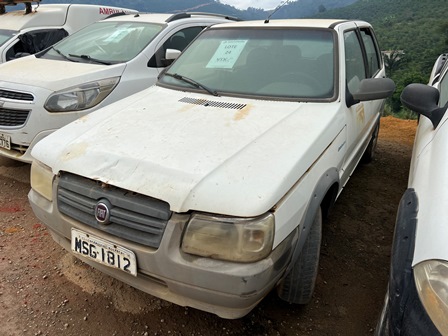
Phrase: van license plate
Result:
[5,141]
[104,252]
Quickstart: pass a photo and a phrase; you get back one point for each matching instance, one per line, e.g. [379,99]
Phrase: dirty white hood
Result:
[54,75]
[178,147]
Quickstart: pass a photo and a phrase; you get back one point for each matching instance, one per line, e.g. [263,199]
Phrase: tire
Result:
[298,285]
[369,154]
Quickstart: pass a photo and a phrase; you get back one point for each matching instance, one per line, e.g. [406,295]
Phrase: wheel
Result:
[300,77]
[369,154]
[298,285]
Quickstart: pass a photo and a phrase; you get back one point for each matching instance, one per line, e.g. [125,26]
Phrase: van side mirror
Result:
[171,55]
[424,100]
[374,88]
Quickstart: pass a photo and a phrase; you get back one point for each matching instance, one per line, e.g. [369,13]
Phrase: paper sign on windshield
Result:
[227,54]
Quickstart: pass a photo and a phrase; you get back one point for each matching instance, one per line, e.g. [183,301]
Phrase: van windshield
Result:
[107,41]
[6,35]
[298,64]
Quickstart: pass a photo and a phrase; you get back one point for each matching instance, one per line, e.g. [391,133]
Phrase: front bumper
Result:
[22,152]
[229,290]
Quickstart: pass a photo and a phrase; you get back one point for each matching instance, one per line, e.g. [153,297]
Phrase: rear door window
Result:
[372,52]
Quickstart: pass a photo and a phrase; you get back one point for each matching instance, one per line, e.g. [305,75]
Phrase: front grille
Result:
[9,117]
[14,95]
[134,217]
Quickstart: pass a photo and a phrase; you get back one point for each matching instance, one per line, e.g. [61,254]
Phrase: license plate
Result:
[5,141]
[104,252]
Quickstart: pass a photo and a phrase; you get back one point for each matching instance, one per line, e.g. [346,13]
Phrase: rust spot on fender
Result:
[75,150]
[186,108]
[360,114]
[243,113]
[83,119]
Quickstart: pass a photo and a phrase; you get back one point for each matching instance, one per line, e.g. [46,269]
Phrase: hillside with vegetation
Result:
[412,32]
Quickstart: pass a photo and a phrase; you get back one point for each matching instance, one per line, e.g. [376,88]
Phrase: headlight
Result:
[42,179]
[431,278]
[81,97]
[233,239]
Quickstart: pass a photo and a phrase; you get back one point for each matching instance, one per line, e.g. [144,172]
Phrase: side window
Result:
[372,53]
[354,61]
[178,41]
[443,90]
[35,41]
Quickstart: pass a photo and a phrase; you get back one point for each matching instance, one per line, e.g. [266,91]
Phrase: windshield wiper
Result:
[63,55]
[88,58]
[193,82]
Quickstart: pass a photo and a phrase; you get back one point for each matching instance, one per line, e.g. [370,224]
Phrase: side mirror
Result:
[424,100]
[374,88]
[172,54]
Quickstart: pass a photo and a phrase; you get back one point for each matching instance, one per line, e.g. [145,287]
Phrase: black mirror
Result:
[424,100]
[374,88]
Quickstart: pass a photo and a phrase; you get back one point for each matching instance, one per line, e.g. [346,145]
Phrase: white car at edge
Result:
[417,298]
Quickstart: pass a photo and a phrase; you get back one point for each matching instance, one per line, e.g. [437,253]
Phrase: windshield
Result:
[107,41]
[283,63]
[5,35]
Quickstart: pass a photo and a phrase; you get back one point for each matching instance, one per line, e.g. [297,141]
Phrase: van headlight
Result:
[431,279]
[41,179]
[81,97]
[226,238]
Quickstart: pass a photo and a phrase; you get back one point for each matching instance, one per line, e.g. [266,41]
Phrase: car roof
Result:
[291,23]
[164,18]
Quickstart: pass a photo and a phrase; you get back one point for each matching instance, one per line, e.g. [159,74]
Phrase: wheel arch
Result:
[324,195]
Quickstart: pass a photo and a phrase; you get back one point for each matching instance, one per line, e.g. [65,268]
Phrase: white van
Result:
[98,65]
[25,32]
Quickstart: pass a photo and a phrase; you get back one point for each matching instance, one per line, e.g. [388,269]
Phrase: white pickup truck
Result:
[25,32]
[209,189]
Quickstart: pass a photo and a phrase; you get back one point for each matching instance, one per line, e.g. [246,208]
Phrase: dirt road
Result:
[45,291]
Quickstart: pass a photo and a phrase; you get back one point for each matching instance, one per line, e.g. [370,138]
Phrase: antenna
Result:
[282,4]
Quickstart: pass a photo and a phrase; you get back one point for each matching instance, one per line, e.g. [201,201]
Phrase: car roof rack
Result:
[185,15]
[28,8]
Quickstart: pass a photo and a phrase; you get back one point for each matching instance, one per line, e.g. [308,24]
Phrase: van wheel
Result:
[298,285]
[369,154]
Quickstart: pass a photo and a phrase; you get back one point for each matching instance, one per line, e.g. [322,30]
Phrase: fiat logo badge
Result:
[102,212]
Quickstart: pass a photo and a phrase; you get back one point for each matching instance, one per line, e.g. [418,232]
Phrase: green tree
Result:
[393,60]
